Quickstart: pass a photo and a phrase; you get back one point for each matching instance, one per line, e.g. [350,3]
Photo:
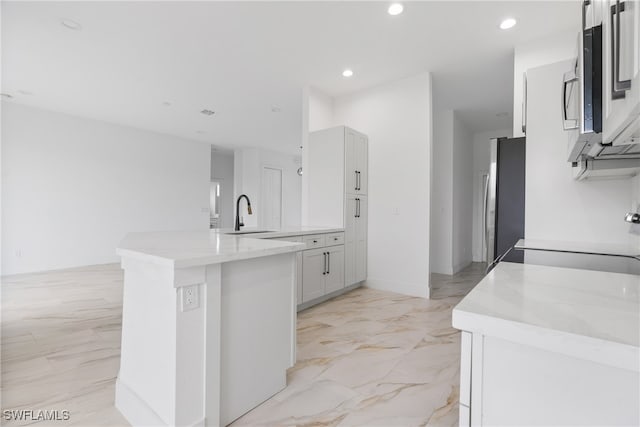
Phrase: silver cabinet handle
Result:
[358,206]
[569,77]
[618,87]
[485,213]
[355,214]
[356,187]
[328,262]
[359,181]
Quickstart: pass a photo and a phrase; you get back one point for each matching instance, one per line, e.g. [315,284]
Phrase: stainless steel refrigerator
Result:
[504,200]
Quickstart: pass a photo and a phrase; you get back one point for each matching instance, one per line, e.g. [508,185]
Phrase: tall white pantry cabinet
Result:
[337,183]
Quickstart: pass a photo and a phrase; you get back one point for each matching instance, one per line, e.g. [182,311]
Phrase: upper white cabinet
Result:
[356,155]
[621,77]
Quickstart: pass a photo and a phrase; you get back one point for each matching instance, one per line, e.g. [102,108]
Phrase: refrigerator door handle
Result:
[485,205]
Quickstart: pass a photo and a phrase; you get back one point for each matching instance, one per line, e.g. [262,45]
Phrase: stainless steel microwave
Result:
[582,91]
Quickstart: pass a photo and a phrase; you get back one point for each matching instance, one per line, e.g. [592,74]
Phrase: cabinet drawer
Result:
[314,241]
[334,239]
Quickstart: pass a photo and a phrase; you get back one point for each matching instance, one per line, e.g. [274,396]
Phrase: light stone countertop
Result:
[592,315]
[181,249]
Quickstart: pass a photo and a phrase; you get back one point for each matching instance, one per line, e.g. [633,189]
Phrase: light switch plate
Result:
[189,297]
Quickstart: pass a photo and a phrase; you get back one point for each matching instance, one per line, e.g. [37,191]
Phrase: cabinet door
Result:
[313,268]
[350,240]
[622,98]
[361,239]
[335,269]
[350,162]
[362,153]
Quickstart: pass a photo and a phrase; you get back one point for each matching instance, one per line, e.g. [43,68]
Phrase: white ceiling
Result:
[241,58]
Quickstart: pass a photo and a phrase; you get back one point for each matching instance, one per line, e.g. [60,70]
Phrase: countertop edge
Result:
[220,259]
[278,249]
[611,353]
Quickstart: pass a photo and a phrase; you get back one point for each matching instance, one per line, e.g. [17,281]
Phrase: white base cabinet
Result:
[355,239]
[323,272]
[504,382]
[320,268]
[313,271]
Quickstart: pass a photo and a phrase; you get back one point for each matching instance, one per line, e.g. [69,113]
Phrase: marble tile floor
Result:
[365,358]
[61,343]
[459,284]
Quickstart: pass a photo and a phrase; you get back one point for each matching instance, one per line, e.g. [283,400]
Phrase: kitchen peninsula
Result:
[208,325]
[544,345]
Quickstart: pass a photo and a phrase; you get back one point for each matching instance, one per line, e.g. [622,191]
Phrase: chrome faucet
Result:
[239,222]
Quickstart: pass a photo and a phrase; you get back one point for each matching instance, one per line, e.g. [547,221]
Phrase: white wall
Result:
[72,188]
[248,165]
[317,114]
[442,193]
[397,119]
[554,48]
[557,206]
[222,171]
[462,213]
[452,194]
[322,107]
[481,160]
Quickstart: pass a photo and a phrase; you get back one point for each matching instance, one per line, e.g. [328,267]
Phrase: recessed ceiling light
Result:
[207,112]
[72,25]
[166,104]
[6,96]
[395,9]
[508,23]
[347,73]
[276,109]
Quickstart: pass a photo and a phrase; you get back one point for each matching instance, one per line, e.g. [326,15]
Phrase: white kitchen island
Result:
[208,326]
[547,345]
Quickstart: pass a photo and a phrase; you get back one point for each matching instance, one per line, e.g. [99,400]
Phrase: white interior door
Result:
[215,205]
[271,198]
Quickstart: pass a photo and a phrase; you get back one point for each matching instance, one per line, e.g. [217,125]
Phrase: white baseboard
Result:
[137,411]
[134,408]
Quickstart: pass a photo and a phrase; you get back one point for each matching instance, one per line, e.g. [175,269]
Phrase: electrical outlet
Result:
[190,297]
